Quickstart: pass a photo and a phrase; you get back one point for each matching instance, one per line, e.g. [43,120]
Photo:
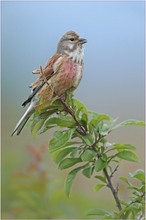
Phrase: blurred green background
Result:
[113,83]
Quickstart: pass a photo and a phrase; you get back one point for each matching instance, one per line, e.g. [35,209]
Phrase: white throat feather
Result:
[76,55]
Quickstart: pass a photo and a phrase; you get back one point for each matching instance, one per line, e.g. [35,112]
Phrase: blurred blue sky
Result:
[113,80]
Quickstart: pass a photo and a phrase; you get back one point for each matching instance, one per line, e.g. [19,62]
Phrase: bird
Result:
[62,73]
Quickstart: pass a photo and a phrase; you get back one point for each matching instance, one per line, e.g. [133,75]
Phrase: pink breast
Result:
[70,68]
[69,76]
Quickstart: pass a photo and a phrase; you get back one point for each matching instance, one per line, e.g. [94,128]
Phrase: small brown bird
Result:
[63,72]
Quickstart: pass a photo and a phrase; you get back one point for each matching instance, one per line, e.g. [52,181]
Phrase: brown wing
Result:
[51,61]
[36,89]
[48,72]
[47,69]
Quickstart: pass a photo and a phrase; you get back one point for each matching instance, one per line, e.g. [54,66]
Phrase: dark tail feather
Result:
[21,123]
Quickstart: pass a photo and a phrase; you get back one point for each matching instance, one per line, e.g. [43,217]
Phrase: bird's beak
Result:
[82,40]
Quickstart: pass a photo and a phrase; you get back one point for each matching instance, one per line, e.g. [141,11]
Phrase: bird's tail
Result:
[21,123]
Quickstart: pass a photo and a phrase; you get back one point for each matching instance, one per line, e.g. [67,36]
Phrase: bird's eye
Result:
[72,39]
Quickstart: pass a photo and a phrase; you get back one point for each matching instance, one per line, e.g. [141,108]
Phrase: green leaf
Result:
[129,122]
[99,165]
[80,111]
[69,180]
[60,122]
[80,106]
[99,117]
[98,212]
[104,157]
[139,175]
[74,153]
[98,186]
[88,171]
[88,155]
[84,118]
[137,190]
[87,139]
[101,178]
[60,139]
[104,129]
[69,98]
[96,118]
[122,212]
[133,122]
[63,153]
[44,129]
[132,208]
[128,155]
[123,146]
[142,188]
[124,179]
[127,214]
[36,126]
[68,162]
[56,105]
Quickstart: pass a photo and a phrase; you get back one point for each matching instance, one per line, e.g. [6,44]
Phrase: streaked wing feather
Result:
[36,89]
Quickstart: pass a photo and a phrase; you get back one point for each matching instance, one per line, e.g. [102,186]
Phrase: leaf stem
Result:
[114,171]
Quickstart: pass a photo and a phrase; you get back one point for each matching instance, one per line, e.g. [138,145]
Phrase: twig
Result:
[96,141]
[116,168]
[140,217]
[108,177]
[114,191]
[136,201]
[117,188]
[43,75]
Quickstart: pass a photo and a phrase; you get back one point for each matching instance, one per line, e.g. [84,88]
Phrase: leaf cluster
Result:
[81,142]
[135,207]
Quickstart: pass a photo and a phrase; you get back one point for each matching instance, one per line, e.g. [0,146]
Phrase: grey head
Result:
[72,45]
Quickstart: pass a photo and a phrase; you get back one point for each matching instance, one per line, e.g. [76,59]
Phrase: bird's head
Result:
[71,44]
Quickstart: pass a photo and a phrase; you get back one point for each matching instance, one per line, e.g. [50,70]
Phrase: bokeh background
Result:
[113,83]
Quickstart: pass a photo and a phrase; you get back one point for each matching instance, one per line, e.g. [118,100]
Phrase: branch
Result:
[114,191]
[137,201]
[116,168]
[108,177]
[82,130]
